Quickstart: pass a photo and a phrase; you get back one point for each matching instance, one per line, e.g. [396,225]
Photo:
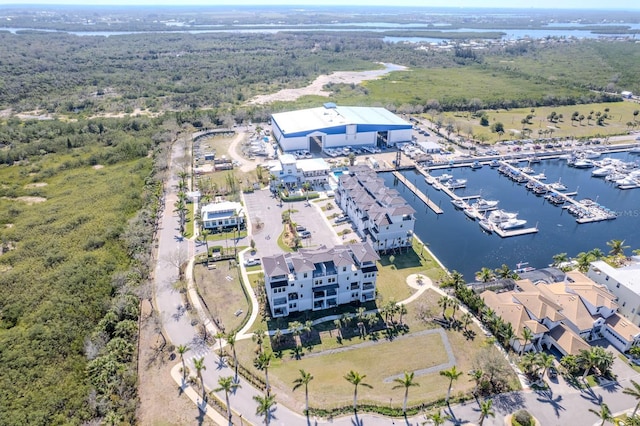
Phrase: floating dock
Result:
[433,206]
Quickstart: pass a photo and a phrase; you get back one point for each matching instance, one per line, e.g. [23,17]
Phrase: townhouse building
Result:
[379,214]
[323,278]
[624,282]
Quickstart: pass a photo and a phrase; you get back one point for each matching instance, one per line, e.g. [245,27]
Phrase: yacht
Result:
[614,177]
[476,165]
[512,224]
[483,205]
[558,186]
[589,153]
[540,176]
[445,177]
[486,225]
[455,183]
[584,163]
[459,203]
[498,216]
[471,213]
[603,171]
[527,170]
[635,150]
[494,163]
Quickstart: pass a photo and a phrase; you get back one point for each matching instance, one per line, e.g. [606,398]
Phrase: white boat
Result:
[455,183]
[527,170]
[635,150]
[486,225]
[583,164]
[540,176]
[602,171]
[471,213]
[445,177]
[498,216]
[459,203]
[589,153]
[614,177]
[558,186]
[483,205]
[512,224]
[476,165]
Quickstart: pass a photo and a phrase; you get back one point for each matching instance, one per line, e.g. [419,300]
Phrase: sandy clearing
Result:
[317,87]
[36,185]
[97,167]
[28,200]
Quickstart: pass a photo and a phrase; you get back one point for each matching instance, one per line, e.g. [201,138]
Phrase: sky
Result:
[553,4]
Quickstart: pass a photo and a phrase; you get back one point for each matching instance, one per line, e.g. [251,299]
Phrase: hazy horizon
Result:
[471,4]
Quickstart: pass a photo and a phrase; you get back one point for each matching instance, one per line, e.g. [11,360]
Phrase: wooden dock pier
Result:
[433,206]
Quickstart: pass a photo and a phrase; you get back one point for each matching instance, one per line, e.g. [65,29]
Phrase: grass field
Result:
[620,114]
[223,297]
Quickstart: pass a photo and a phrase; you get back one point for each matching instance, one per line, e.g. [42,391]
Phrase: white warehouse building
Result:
[332,126]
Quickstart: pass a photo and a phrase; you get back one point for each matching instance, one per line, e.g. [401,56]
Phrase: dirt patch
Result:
[98,167]
[36,185]
[161,402]
[28,200]
[317,87]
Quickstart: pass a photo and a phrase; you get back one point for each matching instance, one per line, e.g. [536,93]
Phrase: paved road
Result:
[552,408]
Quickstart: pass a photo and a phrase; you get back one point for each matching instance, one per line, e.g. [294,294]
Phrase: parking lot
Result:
[265,210]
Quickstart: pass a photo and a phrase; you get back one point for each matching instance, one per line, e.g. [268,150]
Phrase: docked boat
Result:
[471,213]
[555,199]
[527,170]
[445,177]
[494,163]
[486,225]
[512,224]
[614,177]
[540,176]
[534,159]
[459,203]
[603,171]
[635,150]
[483,205]
[455,183]
[584,163]
[498,216]
[589,153]
[558,186]
[540,189]
[522,267]
[476,165]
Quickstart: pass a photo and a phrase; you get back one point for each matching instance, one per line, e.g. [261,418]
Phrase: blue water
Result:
[461,244]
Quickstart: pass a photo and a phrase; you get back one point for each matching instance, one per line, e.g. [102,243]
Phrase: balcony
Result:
[280,301]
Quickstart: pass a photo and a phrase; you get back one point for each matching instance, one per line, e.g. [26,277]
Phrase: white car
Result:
[341,219]
[251,262]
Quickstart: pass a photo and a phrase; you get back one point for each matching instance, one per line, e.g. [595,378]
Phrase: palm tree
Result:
[584,261]
[604,414]
[545,361]
[486,411]
[451,374]
[198,364]
[485,275]
[295,328]
[304,380]
[258,337]
[402,311]
[454,304]
[456,279]
[587,360]
[466,320]
[596,253]
[617,247]
[405,382]
[437,418]
[527,335]
[634,392]
[356,379]
[227,385]
[231,341]
[263,362]
[220,336]
[443,302]
[560,258]
[183,349]
[504,272]
[476,376]
[265,405]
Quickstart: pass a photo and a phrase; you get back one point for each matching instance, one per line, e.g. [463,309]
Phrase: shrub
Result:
[522,418]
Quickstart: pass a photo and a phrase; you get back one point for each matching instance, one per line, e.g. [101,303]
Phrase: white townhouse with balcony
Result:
[320,278]
[379,214]
[624,282]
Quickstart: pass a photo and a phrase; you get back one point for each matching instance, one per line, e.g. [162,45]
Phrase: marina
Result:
[433,206]
[455,239]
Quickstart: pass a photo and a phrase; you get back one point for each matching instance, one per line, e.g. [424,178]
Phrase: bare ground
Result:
[317,87]
[160,400]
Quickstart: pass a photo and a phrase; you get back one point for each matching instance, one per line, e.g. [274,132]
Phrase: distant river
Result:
[460,244]
[510,34]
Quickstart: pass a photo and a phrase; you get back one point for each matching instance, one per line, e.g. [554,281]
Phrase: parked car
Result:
[341,219]
[251,262]
[552,372]
[304,234]
[300,228]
